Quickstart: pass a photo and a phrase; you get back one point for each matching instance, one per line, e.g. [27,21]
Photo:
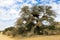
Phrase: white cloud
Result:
[20,0]
[5,24]
[6,15]
[10,15]
[6,2]
[25,4]
[13,12]
[33,1]
[48,0]
[55,7]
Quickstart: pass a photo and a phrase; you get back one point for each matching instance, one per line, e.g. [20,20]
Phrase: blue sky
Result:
[9,10]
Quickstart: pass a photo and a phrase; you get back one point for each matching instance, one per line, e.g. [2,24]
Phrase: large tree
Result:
[33,19]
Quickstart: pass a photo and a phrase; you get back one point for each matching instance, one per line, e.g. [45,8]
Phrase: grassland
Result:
[52,37]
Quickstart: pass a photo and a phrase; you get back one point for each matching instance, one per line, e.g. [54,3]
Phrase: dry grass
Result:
[55,37]
[4,37]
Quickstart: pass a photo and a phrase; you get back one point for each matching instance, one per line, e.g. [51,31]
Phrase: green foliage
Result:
[29,26]
[9,28]
[35,13]
[52,27]
[21,30]
[31,21]
[10,31]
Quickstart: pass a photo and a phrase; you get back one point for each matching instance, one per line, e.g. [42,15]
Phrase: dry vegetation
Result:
[54,37]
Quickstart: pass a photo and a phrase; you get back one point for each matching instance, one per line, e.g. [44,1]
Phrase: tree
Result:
[32,18]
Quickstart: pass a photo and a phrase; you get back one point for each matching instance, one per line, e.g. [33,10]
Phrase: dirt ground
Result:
[54,37]
[3,37]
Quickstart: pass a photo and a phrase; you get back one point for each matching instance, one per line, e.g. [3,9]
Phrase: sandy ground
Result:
[4,37]
[55,37]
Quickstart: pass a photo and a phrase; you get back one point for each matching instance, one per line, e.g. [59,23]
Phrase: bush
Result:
[51,27]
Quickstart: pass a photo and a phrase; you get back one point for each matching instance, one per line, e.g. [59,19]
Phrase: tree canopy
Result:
[32,18]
